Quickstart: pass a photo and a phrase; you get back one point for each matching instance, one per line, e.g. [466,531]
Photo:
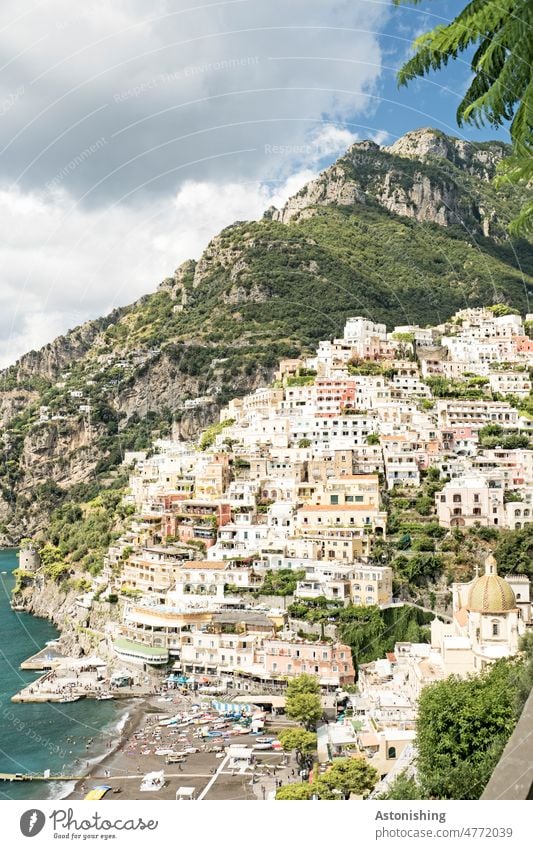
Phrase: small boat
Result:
[263,746]
[98,793]
[67,699]
[104,697]
[172,720]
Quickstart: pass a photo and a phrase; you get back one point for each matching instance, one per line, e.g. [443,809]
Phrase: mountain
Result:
[402,234]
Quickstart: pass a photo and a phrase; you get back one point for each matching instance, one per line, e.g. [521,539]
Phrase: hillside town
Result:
[246,549]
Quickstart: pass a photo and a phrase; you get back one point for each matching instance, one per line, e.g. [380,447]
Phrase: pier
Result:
[66,679]
[43,659]
[22,776]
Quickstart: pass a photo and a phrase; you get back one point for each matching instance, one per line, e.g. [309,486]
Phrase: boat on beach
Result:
[172,720]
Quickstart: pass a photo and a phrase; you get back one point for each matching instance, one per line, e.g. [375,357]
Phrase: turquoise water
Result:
[33,737]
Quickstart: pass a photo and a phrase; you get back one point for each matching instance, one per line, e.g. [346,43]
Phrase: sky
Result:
[131,133]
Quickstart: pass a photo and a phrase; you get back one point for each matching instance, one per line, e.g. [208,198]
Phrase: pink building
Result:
[335,394]
[196,520]
[523,344]
[331,663]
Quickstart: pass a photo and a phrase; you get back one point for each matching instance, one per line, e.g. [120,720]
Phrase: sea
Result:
[36,737]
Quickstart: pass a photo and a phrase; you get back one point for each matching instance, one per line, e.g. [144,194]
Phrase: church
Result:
[490,615]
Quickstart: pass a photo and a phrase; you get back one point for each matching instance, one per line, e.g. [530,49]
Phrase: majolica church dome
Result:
[489,593]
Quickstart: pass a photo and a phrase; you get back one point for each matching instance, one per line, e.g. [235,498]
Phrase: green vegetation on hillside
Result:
[80,533]
[369,631]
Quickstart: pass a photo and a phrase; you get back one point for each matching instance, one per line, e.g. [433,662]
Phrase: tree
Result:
[300,741]
[514,552]
[294,792]
[304,683]
[304,708]
[463,725]
[424,505]
[402,788]
[281,581]
[502,86]
[302,702]
[346,776]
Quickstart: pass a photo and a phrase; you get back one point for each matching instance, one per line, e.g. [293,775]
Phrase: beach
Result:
[206,770]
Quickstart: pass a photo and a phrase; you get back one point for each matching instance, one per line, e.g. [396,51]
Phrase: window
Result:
[495,629]
[391,752]
[456,499]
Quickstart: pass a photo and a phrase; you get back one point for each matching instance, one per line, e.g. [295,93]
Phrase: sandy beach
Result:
[134,754]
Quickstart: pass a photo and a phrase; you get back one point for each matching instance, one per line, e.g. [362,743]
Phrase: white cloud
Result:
[331,141]
[175,93]
[132,133]
[63,265]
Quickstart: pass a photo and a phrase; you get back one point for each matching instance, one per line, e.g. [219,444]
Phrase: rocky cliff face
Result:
[83,631]
[53,457]
[389,177]
[48,362]
[332,187]
[480,160]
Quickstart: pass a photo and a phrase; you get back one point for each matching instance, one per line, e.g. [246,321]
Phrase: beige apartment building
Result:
[364,517]
[330,544]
